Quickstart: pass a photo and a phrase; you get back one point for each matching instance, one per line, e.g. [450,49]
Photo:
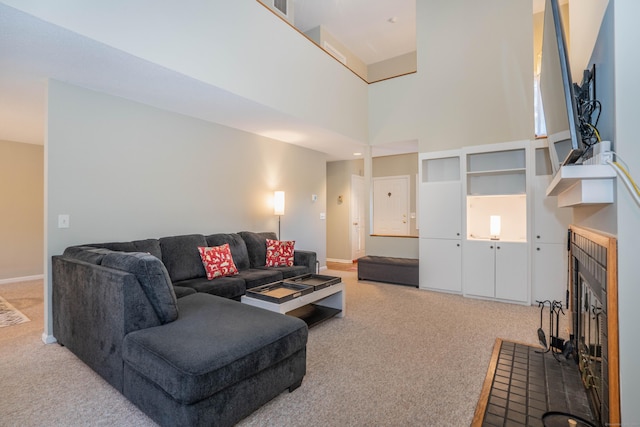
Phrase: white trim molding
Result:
[341,261]
[21,279]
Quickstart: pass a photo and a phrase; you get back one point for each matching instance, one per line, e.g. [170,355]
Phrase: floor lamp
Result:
[278,207]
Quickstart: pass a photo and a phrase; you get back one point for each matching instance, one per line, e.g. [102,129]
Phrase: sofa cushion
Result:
[232,287]
[279,253]
[153,278]
[237,246]
[288,272]
[181,257]
[88,254]
[215,343]
[217,261]
[151,246]
[183,291]
[257,246]
[260,276]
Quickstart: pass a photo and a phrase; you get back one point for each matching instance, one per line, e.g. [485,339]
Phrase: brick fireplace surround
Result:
[523,383]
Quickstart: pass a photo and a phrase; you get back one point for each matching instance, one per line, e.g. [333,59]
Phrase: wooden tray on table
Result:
[317,281]
[279,292]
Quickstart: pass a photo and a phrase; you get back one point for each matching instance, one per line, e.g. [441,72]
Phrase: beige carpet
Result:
[400,357]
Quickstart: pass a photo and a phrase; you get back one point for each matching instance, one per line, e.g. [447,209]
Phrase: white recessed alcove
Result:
[511,209]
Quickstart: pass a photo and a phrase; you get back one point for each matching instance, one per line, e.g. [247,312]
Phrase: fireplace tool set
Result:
[556,344]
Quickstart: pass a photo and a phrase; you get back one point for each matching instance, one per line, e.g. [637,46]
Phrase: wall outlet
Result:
[63,221]
[323,216]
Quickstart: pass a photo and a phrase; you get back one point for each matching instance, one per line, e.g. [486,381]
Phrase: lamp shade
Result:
[494,225]
[278,203]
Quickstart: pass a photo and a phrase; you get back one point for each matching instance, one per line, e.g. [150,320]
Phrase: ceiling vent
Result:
[334,52]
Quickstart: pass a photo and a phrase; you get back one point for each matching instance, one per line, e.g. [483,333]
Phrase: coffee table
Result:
[319,304]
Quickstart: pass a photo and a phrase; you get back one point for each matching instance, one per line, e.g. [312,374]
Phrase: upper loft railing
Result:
[370,70]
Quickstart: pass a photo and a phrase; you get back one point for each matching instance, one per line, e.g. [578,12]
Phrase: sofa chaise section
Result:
[235,366]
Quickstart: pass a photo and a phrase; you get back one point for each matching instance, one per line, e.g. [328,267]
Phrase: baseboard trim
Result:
[341,261]
[21,279]
[48,339]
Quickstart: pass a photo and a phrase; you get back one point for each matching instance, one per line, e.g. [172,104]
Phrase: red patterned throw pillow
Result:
[279,253]
[217,261]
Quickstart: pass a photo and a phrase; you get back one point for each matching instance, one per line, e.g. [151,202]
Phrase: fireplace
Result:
[594,309]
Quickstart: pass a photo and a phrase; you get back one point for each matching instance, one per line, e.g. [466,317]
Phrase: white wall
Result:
[397,66]
[627,93]
[126,171]
[474,80]
[584,20]
[239,46]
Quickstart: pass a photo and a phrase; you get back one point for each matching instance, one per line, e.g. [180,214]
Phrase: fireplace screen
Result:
[595,326]
[590,340]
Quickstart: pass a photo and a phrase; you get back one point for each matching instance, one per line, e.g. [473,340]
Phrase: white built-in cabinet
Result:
[460,190]
[550,224]
[440,221]
[496,269]
[496,262]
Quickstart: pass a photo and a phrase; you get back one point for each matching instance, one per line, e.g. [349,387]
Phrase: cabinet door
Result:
[550,221]
[441,210]
[511,271]
[441,265]
[549,272]
[479,268]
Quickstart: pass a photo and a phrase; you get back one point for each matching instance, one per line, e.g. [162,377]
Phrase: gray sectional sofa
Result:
[143,315]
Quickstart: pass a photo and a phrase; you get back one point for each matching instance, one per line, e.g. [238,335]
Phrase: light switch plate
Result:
[63,221]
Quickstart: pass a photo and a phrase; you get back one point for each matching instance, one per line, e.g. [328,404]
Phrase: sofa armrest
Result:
[94,307]
[306,258]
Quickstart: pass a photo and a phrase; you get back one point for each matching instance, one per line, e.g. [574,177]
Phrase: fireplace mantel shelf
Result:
[577,185]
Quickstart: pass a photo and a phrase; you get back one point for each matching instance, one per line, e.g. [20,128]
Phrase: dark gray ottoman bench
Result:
[401,271]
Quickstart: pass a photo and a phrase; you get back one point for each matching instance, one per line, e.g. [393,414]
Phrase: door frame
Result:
[353,237]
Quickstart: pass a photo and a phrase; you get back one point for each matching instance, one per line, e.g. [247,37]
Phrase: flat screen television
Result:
[556,88]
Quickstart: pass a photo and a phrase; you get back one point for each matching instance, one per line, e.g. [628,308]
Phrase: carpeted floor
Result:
[400,357]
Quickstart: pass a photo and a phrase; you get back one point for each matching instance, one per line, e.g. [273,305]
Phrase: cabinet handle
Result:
[497,247]
[537,249]
[491,247]
[457,234]
[458,244]
[537,237]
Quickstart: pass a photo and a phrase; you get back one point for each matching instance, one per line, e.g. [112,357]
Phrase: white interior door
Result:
[358,225]
[391,205]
